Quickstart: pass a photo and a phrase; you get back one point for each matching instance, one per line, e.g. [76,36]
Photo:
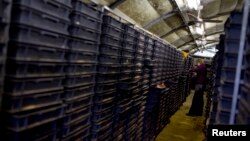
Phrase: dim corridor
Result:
[182,127]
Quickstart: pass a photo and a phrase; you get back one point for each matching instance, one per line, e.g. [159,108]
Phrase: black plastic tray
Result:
[31,86]
[57,8]
[111,21]
[103,88]
[109,60]
[82,32]
[29,35]
[112,31]
[79,18]
[21,69]
[77,115]
[78,92]
[20,122]
[83,45]
[87,9]
[102,114]
[109,40]
[78,103]
[30,102]
[102,68]
[79,80]
[107,77]
[82,57]
[78,69]
[110,50]
[30,17]
[38,53]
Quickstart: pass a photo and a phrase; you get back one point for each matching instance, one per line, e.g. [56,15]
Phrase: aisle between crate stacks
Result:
[182,127]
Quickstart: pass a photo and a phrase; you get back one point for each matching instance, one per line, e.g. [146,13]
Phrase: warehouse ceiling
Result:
[174,20]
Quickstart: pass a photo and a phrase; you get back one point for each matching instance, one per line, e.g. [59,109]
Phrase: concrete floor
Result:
[182,127]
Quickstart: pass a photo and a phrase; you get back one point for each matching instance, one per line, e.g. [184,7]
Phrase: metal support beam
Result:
[157,20]
[176,29]
[116,3]
[206,35]
[174,3]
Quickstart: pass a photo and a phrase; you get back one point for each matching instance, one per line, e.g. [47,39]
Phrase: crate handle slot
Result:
[89,43]
[88,30]
[47,49]
[90,19]
[50,18]
[49,34]
[52,3]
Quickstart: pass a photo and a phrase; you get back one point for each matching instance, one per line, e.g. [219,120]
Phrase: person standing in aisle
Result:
[196,108]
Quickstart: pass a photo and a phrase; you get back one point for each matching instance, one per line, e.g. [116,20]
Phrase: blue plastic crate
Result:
[112,31]
[110,50]
[109,68]
[78,31]
[30,102]
[230,60]
[225,103]
[223,117]
[45,131]
[226,89]
[81,19]
[79,80]
[104,135]
[112,21]
[233,33]
[21,69]
[35,36]
[82,135]
[130,30]
[101,97]
[78,103]
[76,126]
[129,45]
[30,17]
[127,61]
[128,53]
[109,60]
[228,75]
[107,77]
[77,115]
[103,105]
[129,38]
[79,69]
[5,13]
[30,86]
[245,94]
[109,40]
[87,9]
[27,52]
[123,106]
[102,114]
[231,46]
[57,8]
[78,92]
[244,111]
[23,121]
[83,45]
[100,124]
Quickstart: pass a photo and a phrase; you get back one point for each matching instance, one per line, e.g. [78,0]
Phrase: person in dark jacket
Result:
[196,108]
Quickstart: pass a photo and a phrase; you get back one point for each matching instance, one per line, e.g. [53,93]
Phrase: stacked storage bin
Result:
[230,56]
[35,69]
[108,73]
[5,15]
[148,53]
[243,116]
[217,66]
[81,66]
[137,93]
[127,88]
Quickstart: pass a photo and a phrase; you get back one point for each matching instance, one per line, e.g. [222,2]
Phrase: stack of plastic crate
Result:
[137,93]
[5,15]
[35,69]
[243,116]
[80,71]
[106,82]
[230,57]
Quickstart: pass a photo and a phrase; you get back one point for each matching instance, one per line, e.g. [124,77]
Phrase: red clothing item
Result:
[201,71]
